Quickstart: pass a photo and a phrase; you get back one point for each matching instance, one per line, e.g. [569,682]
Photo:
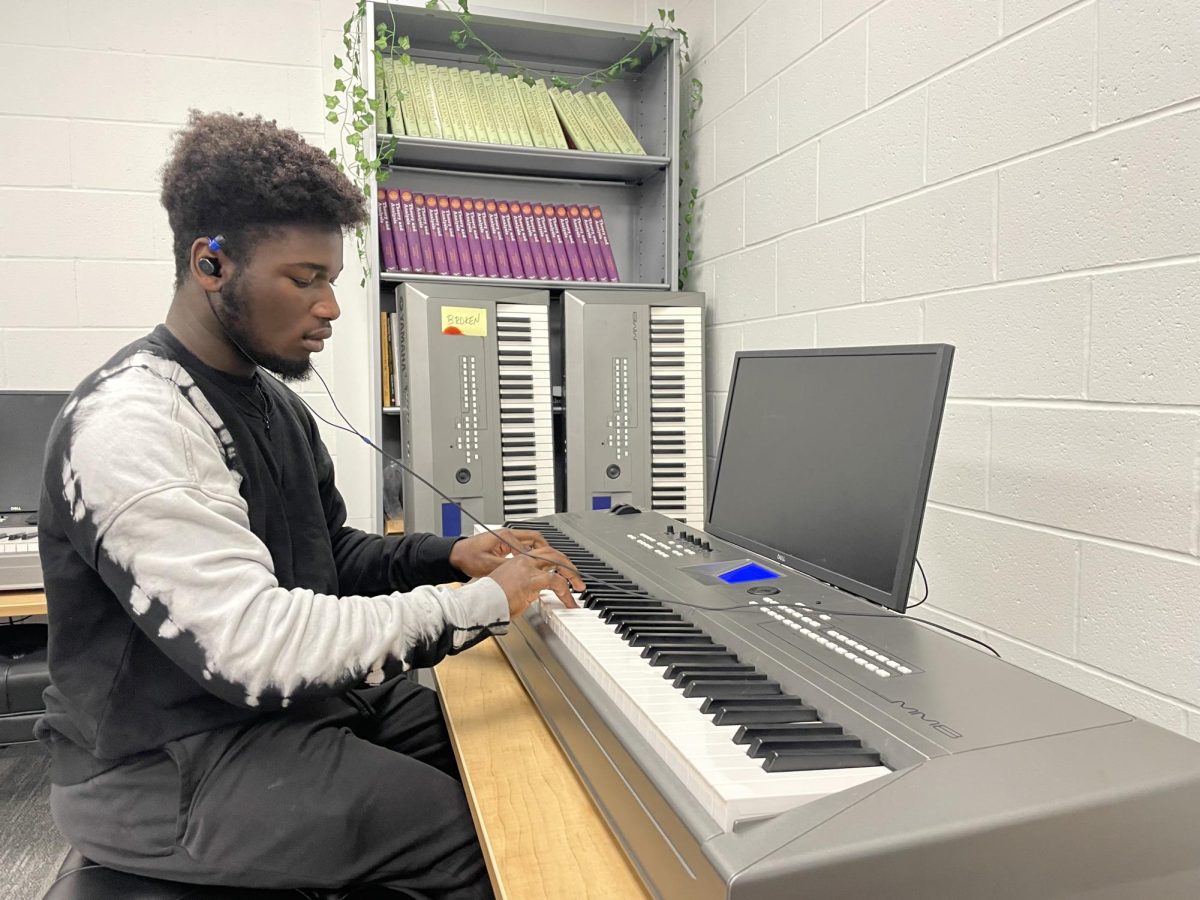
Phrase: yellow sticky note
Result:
[465,320]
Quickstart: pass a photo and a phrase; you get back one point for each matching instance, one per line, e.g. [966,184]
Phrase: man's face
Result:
[279,304]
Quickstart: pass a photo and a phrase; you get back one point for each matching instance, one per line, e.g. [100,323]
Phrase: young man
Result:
[225,652]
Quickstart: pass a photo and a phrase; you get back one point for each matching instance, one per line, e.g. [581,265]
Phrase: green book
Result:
[447,112]
[416,120]
[513,87]
[491,98]
[428,89]
[504,104]
[566,115]
[596,131]
[395,95]
[382,95]
[466,119]
[626,139]
[485,128]
[600,119]
[553,126]
[530,112]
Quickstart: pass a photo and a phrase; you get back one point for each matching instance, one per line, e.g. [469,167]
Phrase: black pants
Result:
[356,790]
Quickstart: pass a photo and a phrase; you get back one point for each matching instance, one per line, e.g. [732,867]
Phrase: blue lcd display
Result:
[748,572]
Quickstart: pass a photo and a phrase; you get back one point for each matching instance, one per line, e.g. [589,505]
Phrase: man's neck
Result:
[194,324]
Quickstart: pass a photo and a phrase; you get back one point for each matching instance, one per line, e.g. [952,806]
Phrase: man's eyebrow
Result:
[316,267]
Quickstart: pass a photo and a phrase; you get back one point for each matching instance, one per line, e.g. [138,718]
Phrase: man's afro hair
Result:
[242,177]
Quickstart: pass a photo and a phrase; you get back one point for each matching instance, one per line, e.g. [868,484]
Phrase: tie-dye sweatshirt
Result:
[199,571]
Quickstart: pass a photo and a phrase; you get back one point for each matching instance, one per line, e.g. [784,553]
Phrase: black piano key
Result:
[625,626]
[614,599]
[666,658]
[731,690]
[651,642]
[617,616]
[747,734]
[671,632]
[759,710]
[744,674]
[814,760]
[726,667]
[630,629]
[760,748]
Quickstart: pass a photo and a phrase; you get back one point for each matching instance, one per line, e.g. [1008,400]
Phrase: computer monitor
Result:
[25,420]
[825,458]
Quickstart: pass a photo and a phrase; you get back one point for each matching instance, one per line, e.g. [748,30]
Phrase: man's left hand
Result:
[478,555]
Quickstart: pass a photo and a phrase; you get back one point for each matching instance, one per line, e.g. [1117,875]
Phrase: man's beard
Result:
[234,301]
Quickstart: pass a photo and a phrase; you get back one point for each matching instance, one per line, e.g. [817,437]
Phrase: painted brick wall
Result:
[1017,178]
[85,251]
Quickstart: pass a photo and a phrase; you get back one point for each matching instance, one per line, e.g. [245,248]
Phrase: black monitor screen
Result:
[25,420]
[825,461]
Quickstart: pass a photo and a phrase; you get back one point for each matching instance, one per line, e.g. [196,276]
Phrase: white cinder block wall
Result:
[92,97]
[1020,178]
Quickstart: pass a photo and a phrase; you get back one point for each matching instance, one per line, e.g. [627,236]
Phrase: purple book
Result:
[425,229]
[535,242]
[385,232]
[466,253]
[474,243]
[581,244]
[448,236]
[543,234]
[399,236]
[568,238]
[556,241]
[523,244]
[610,260]
[412,232]
[593,240]
[485,240]
[501,251]
[510,240]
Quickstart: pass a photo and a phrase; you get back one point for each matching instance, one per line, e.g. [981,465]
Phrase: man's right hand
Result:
[523,578]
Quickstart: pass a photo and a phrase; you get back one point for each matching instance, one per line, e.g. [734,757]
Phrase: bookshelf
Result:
[638,194]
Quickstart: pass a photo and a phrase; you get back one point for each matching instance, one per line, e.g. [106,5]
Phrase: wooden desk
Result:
[541,834]
[22,603]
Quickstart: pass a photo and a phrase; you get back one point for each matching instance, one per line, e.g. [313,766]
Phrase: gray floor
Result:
[31,849]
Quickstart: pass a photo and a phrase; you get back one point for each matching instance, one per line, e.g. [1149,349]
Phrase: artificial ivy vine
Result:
[352,108]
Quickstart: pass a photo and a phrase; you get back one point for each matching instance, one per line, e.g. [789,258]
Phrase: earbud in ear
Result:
[215,244]
[208,266]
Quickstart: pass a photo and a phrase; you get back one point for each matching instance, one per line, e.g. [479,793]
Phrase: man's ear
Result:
[208,265]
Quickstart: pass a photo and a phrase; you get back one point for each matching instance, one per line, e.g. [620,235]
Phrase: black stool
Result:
[81,879]
[23,676]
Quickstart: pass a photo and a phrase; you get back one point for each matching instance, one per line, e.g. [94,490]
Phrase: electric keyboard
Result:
[474,367]
[634,382]
[20,566]
[775,737]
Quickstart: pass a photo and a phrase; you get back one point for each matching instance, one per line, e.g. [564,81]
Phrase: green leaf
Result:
[337,62]
[360,91]
[404,43]
[331,102]
[332,117]
[333,154]
[405,59]
[339,85]
[431,4]
[671,15]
